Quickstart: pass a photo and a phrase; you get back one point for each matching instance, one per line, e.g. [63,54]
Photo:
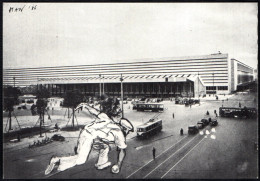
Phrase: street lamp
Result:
[122,95]
[103,84]
[213,83]
[100,85]
[14,81]
[198,83]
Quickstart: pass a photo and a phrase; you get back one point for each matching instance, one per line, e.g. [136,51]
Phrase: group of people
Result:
[108,127]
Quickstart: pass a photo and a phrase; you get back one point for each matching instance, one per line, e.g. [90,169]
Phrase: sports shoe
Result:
[105,165]
[51,165]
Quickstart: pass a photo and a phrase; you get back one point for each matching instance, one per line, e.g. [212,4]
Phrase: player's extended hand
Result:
[115,169]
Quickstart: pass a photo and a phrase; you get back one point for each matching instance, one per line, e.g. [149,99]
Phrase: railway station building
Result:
[164,77]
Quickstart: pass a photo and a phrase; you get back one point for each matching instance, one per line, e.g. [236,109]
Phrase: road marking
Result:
[139,147]
[169,157]
[181,158]
[152,159]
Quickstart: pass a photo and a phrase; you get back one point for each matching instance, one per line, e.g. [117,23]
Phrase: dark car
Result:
[205,122]
[213,122]
[200,125]
[193,129]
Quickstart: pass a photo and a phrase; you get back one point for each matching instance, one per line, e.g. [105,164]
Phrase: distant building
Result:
[29,99]
[55,102]
[164,77]
[255,74]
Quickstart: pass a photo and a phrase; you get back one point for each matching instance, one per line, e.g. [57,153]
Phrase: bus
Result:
[150,128]
[238,112]
[154,107]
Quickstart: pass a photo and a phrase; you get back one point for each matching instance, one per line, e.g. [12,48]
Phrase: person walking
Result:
[207,113]
[173,115]
[154,150]
[181,131]
[239,104]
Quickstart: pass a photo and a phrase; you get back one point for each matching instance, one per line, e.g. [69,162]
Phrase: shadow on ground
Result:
[23,133]
[70,128]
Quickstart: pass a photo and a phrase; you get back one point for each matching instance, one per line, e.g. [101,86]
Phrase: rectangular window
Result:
[223,88]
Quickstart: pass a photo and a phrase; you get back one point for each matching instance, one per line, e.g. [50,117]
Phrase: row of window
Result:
[149,105]
[152,126]
[219,88]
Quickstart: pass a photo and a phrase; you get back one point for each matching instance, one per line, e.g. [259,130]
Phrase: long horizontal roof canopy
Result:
[116,79]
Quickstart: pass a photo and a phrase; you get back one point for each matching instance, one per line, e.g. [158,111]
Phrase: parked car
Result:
[200,125]
[213,122]
[193,129]
[205,122]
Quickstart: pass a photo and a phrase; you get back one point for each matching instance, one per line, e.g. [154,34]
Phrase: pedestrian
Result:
[173,115]
[239,104]
[154,150]
[181,131]
[56,126]
[18,137]
[207,113]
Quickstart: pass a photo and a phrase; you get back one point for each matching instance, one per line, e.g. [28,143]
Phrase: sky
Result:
[65,34]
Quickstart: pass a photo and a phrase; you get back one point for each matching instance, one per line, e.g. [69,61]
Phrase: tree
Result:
[31,89]
[42,95]
[71,100]
[11,95]
[41,104]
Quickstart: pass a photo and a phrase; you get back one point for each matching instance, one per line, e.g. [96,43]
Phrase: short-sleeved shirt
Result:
[119,138]
[105,129]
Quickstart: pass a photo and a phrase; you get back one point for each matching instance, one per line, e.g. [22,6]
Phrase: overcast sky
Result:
[57,34]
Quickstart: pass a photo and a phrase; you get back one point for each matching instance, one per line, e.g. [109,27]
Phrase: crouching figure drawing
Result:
[107,128]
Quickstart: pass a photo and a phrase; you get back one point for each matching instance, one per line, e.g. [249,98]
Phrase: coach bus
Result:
[237,112]
[154,107]
[150,128]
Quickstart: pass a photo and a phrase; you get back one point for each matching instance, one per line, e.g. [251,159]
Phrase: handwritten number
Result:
[34,7]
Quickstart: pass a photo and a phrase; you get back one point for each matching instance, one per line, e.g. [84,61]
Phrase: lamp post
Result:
[103,85]
[100,85]
[122,95]
[100,91]
[198,84]
[14,81]
[213,83]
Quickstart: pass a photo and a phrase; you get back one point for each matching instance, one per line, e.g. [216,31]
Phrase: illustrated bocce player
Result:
[108,128]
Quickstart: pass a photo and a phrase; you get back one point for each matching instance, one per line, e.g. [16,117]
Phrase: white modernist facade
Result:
[164,77]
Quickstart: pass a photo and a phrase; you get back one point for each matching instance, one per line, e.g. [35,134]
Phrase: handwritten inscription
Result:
[22,8]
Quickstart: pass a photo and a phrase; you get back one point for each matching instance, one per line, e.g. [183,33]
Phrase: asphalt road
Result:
[226,151]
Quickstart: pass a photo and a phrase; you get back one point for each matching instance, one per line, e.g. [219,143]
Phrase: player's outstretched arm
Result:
[90,109]
[121,156]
